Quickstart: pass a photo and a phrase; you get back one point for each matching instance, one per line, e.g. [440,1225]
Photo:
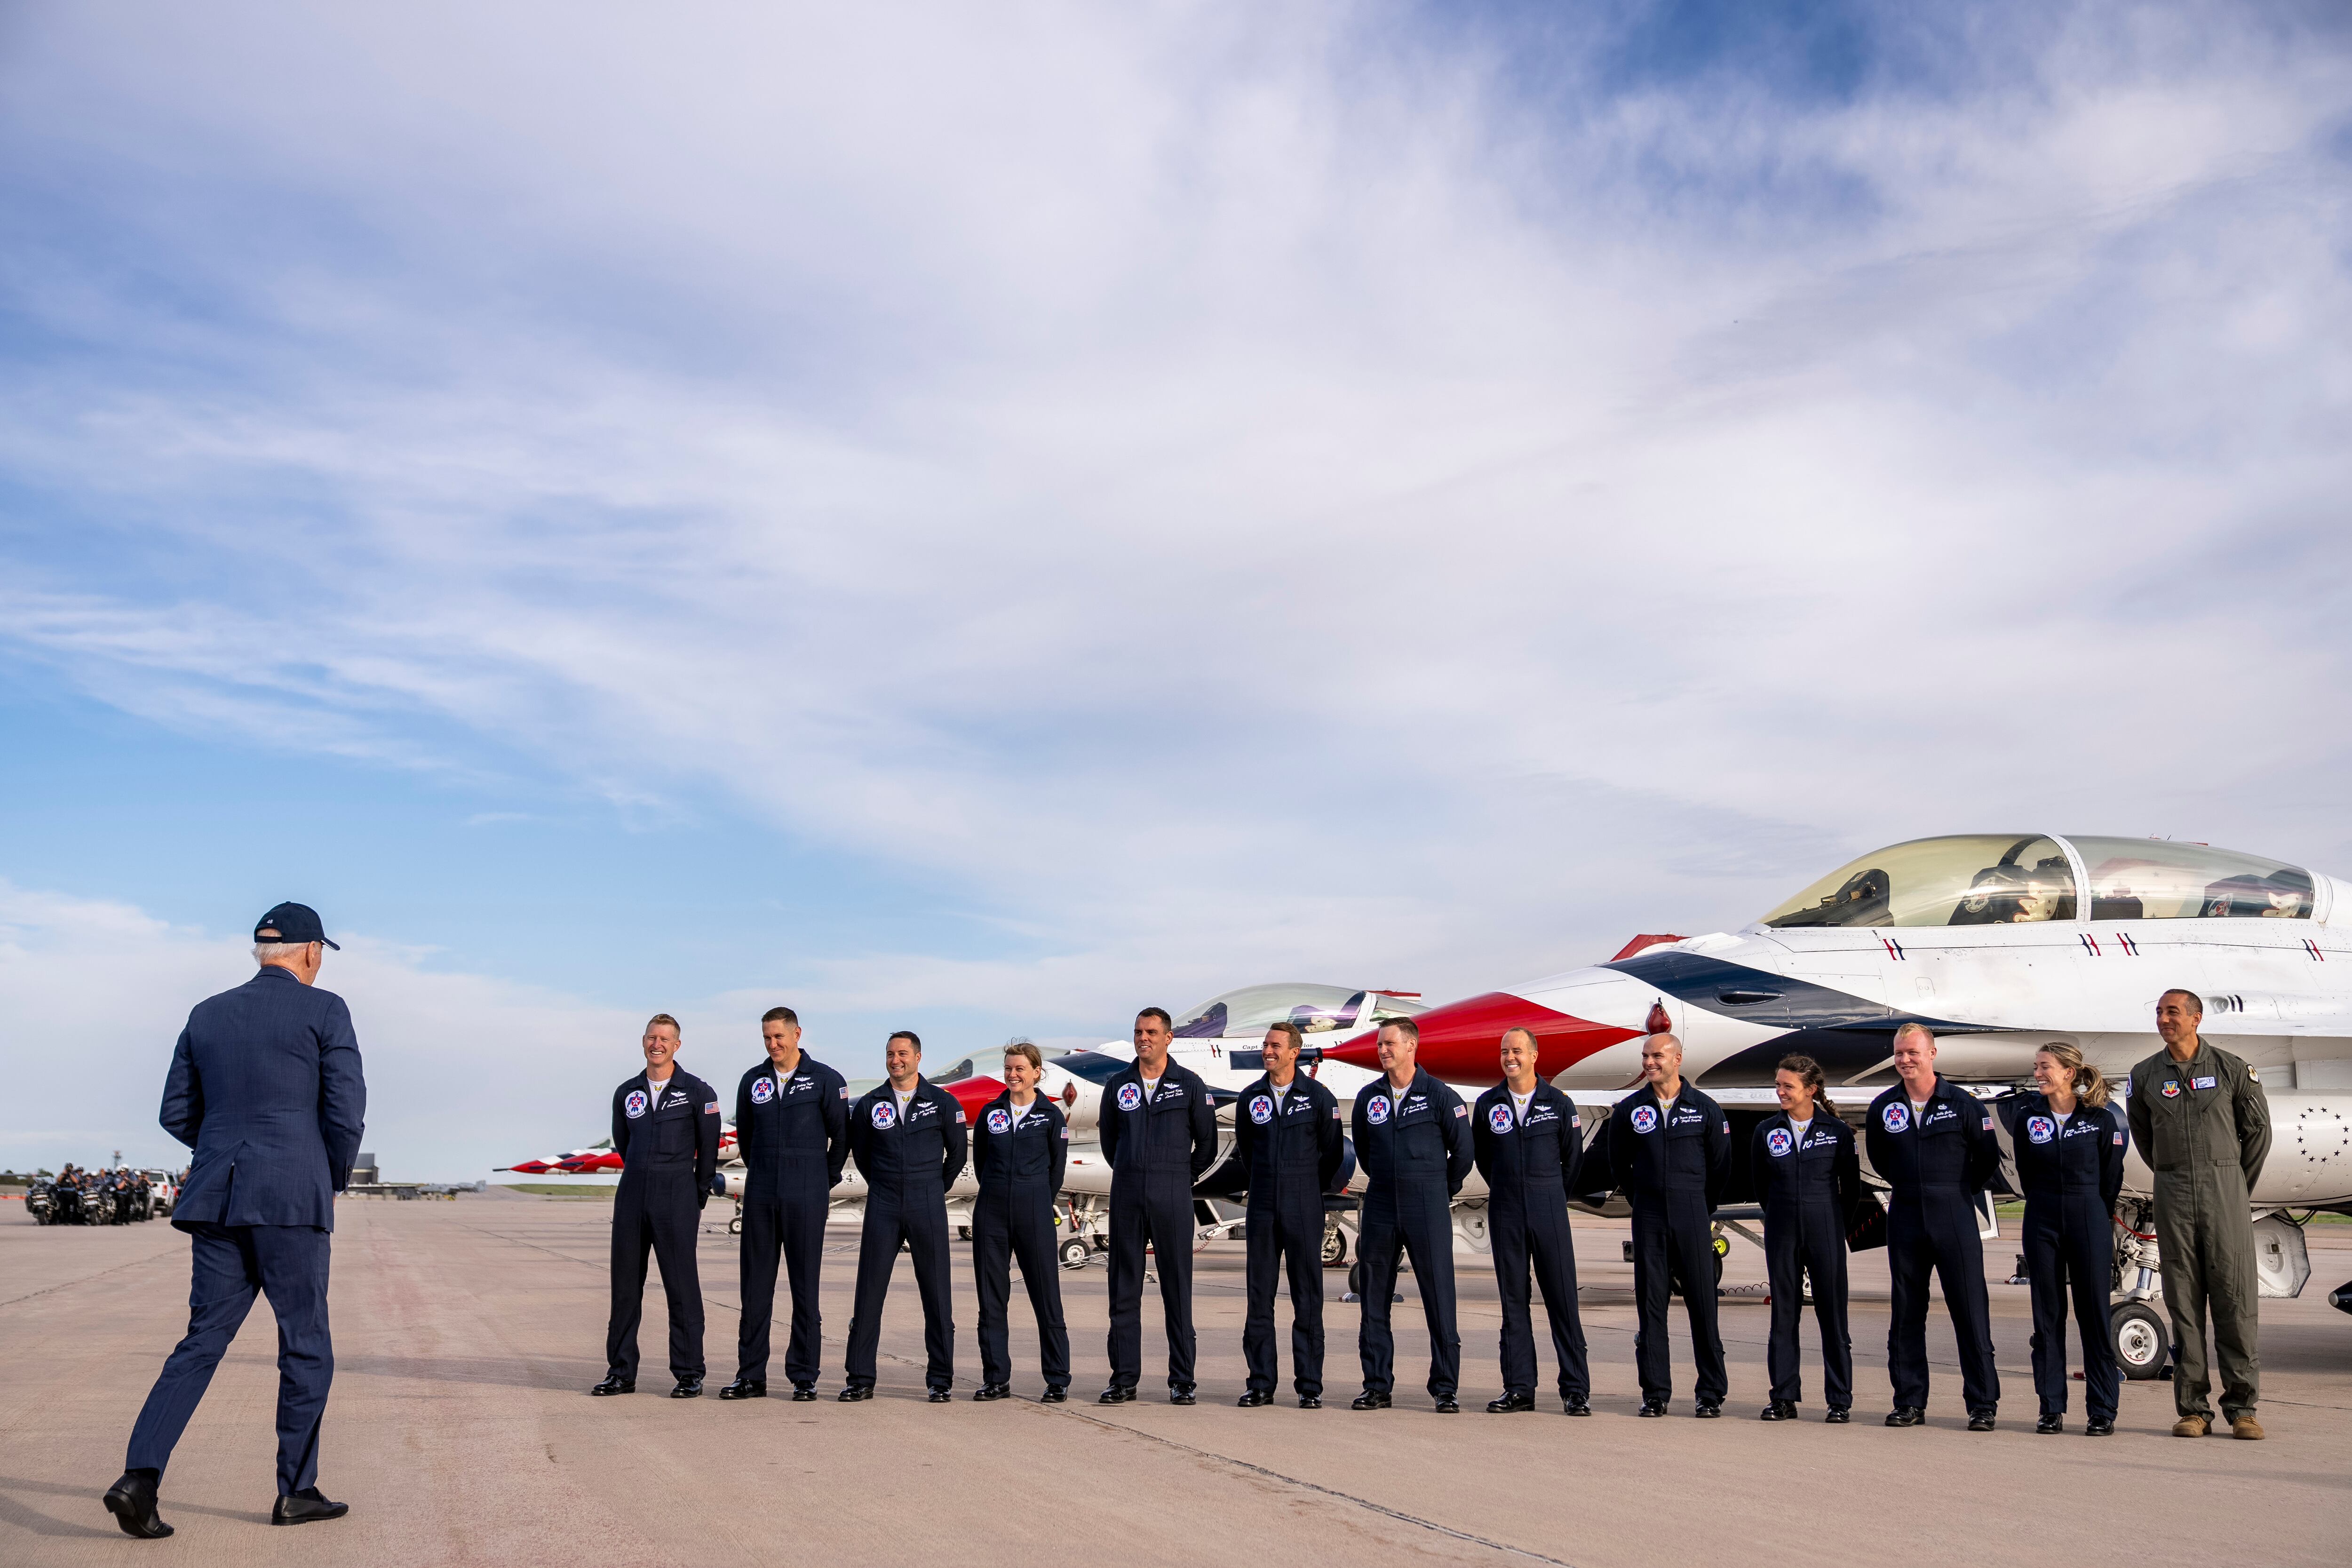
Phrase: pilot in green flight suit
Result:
[2203,1125]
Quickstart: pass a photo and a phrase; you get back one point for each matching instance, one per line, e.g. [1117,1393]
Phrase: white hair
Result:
[278,952]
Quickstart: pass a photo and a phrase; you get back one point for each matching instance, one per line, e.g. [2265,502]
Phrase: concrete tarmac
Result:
[466,1334]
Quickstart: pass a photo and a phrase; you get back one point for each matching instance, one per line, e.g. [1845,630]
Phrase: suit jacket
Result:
[266,1087]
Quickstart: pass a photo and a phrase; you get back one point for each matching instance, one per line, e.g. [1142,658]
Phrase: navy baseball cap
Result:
[292,923]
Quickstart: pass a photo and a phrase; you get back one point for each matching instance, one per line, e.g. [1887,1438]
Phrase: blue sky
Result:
[989,526]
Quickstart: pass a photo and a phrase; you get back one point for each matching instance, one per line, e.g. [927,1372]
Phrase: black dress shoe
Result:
[1708,1409]
[1575,1407]
[2048,1424]
[131,1501]
[988,1391]
[1980,1422]
[856,1392]
[2100,1427]
[1838,1416]
[744,1388]
[1511,1404]
[1115,1395]
[1367,1400]
[1054,1397]
[1778,1410]
[1182,1396]
[940,1395]
[615,1383]
[1652,1407]
[802,1392]
[1309,1401]
[1253,1400]
[1448,1407]
[1906,1415]
[688,1388]
[308,1506]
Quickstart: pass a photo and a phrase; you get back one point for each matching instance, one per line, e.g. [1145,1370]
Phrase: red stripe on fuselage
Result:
[1460,1042]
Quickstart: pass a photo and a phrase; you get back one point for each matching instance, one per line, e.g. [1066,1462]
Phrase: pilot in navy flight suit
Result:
[667,1137]
[792,1132]
[1811,1181]
[1018,1152]
[1936,1155]
[2070,1165]
[264,1085]
[1289,1146]
[1529,1156]
[1157,1138]
[1416,1152]
[1672,1163]
[909,1137]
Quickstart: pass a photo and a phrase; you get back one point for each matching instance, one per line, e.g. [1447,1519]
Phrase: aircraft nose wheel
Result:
[2142,1338]
[1074,1253]
[1335,1249]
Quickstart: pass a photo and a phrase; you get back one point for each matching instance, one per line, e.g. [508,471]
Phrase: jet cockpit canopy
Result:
[1316,1009]
[2003,879]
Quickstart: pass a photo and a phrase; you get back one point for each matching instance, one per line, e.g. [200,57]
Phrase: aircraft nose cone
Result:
[1459,1041]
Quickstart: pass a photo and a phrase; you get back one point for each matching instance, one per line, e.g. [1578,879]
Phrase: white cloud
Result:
[464,1071]
[1231,506]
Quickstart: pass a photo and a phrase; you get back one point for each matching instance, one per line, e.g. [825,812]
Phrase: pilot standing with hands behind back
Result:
[909,1137]
[1530,1141]
[1287,1144]
[1934,1144]
[1670,1149]
[791,1132]
[1158,1132]
[666,1130]
[1413,1135]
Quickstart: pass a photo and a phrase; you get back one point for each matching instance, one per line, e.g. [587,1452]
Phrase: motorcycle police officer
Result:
[1933,1145]
[792,1132]
[1670,1150]
[908,1135]
[1289,1144]
[1019,1147]
[2201,1122]
[2070,1161]
[1413,1135]
[1810,1176]
[666,1130]
[1529,1142]
[1158,1132]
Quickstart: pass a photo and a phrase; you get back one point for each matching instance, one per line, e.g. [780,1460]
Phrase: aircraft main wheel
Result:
[2143,1340]
[963,1233]
[1356,1277]
[735,1226]
[1335,1248]
[1074,1253]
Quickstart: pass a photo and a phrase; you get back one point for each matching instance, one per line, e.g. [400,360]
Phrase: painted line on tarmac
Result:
[70,1284]
[1366,1503]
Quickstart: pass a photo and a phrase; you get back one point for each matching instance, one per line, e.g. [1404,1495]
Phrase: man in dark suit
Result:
[266,1087]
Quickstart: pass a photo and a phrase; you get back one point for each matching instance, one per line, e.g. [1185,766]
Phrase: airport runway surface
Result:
[466,1334]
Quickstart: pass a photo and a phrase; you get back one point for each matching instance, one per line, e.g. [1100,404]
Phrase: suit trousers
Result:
[229,1264]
